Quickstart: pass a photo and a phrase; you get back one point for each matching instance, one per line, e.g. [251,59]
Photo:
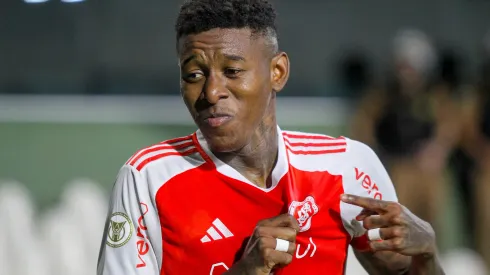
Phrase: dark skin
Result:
[229,81]
[408,243]
[234,73]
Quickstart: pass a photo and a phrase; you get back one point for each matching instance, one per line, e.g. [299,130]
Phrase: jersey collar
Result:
[278,172]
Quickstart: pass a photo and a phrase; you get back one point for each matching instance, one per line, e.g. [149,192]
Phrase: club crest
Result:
[303,212]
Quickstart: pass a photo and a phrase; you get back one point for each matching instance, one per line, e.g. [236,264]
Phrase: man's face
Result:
[227,82]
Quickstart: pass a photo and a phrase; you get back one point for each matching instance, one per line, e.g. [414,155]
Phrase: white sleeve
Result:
[364,175]
[131,243]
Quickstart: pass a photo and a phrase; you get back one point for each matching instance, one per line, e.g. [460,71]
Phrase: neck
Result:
[257,159]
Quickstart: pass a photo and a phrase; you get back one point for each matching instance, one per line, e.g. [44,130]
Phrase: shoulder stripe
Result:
[173,142]
[333,150]
[145,162]
[312,144]
[161,147]
[298,135]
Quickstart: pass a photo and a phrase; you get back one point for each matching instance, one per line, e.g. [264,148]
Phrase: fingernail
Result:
[345,197]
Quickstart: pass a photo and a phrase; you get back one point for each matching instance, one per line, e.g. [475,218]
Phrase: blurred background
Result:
[84,84]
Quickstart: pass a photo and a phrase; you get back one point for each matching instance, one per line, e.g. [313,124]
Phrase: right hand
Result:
[260,256]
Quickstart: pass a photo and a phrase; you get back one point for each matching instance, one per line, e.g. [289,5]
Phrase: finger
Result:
[277,258]
[271,243]
[285,233]
[284,220]
[395,244]
[365,213]
[376,221]
[378,206]
[392,232]
[374,234]
[266,243]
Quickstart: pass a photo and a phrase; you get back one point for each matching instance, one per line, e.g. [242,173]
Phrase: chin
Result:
[224,144]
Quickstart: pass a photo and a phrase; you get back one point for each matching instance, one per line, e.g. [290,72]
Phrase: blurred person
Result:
[475,147]
[412,125]
[242,196]
[354,74]
[462,161]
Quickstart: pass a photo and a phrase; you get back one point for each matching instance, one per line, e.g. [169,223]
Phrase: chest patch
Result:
[303,212]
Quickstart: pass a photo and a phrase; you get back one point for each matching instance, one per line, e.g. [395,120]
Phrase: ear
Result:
[279,71]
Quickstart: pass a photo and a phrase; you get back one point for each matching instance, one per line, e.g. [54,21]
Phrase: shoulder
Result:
[166,159]
[319,152]
[359,151]
[365,175]
[301,143]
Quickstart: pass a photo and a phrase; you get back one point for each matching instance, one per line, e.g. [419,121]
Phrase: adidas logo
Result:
[216,232]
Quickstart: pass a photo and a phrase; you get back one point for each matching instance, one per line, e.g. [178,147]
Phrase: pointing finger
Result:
[377,206]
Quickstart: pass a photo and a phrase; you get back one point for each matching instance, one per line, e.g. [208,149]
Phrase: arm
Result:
[393,263]
[407,244]
[472,139]
[368,110]
[383,262]
[448,119]
[131,242]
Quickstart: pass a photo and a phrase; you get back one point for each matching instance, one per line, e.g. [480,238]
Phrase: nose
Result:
[214,89]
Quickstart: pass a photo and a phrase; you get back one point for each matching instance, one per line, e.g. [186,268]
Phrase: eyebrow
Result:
[187,60]
[232,57]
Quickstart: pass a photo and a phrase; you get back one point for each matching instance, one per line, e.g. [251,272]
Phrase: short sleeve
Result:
[363,175]
[132,239]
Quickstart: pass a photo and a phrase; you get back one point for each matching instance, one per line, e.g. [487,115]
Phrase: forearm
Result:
[425,265]
[384,262]
[389,263]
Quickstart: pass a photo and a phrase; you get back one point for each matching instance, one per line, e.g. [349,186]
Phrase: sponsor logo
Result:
[368,183]
[142,244]
[120,230]
[303,212]
[304,253]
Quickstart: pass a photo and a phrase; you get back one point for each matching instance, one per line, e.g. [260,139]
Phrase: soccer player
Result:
[242,196]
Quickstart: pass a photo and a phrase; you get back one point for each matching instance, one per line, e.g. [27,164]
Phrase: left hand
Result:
[400,230]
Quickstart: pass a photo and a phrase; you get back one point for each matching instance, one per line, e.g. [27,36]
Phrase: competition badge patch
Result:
[120,230]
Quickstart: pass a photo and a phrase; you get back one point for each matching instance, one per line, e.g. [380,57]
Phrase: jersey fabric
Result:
[177,209]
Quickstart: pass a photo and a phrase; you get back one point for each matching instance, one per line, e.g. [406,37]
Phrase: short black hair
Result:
[198,16]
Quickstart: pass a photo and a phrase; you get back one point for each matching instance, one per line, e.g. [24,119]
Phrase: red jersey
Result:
[178,209]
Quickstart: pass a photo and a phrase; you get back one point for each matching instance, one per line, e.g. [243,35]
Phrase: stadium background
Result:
[84,85]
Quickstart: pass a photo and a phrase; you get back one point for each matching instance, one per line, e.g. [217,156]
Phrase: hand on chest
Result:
[216,228]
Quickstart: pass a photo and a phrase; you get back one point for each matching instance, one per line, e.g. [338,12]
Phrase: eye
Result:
[232,72]
[193,77]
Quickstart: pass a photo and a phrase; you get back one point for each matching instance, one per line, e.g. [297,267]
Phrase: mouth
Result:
[216,119]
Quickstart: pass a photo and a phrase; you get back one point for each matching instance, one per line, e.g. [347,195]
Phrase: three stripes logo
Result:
[217,231]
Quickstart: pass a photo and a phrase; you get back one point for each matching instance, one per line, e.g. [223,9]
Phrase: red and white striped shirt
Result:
[178,209]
